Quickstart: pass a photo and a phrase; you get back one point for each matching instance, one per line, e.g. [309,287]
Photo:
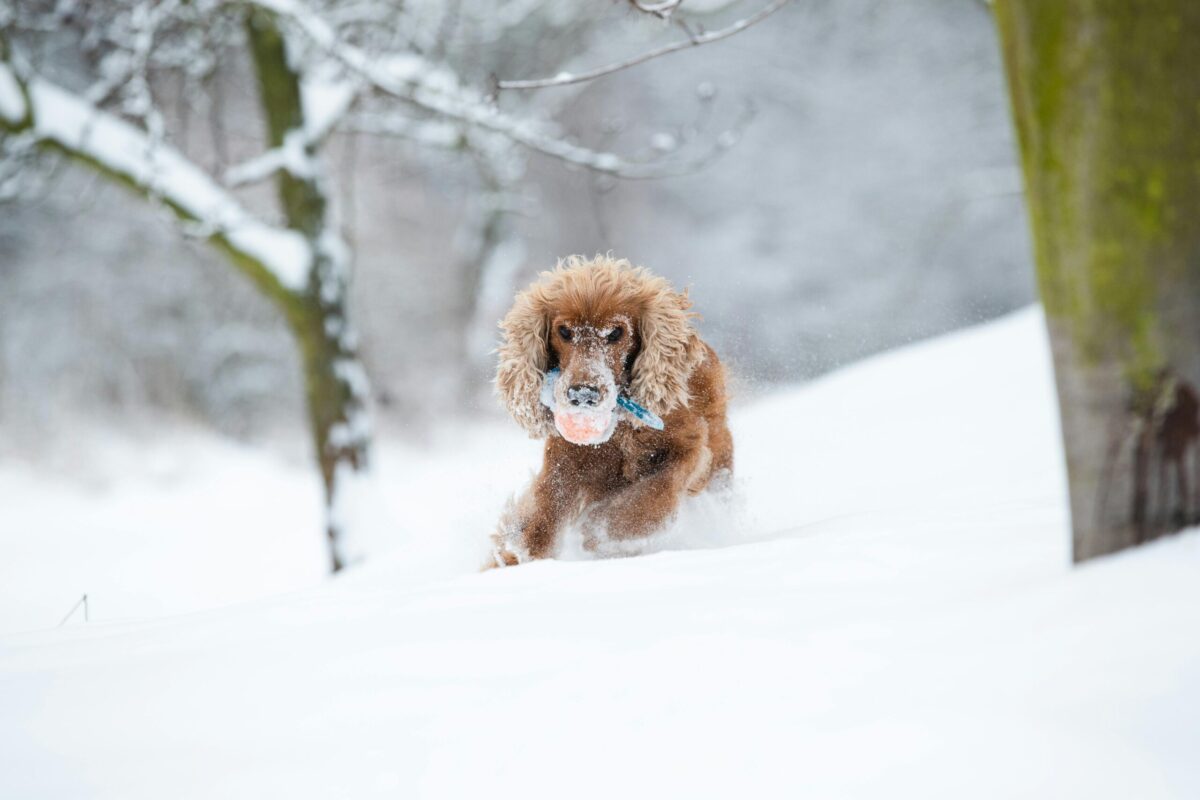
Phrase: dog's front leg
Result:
[530,526]
[649,503]
[643,508]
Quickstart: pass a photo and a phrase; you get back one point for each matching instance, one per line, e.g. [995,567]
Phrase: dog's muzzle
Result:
[583,396]
[582,413]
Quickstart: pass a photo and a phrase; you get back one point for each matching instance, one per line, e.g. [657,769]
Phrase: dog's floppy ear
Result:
[523,359]
[670,350]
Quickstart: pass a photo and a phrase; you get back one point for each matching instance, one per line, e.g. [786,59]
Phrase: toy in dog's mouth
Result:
[589,425]
[593,425]
[586,427]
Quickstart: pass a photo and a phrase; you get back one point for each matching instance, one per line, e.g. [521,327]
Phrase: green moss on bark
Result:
[317,315]
[1106,97]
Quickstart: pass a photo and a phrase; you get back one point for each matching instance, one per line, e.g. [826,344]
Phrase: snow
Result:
[326,99]
[432,87]
[292,157]
[359,512]
[663,142]
[350,372]
[707,6]
[73,123]
[256,169]
[889,612]
[152,529]
[12,102]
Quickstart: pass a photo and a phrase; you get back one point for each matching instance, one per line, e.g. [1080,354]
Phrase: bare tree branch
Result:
[662,10]
[568,78]
[416,80]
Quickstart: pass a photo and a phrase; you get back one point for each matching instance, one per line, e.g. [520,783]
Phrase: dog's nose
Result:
[580,395]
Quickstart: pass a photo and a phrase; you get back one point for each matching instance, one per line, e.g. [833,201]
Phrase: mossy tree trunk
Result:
[1106,97]
[335,382]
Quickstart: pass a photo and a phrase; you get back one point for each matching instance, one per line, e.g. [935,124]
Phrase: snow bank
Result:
[174,526]
[899,620]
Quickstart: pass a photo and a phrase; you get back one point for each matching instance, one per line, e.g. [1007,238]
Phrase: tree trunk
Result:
[498,252]
[335,382]
[1106,96]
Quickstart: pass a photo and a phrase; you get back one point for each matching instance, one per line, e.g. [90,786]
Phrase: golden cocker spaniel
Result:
[601,359]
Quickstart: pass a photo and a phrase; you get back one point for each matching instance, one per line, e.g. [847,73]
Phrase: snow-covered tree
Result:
[1107,103]
[418,71]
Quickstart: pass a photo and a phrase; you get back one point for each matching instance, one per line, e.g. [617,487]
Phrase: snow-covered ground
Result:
[888,610]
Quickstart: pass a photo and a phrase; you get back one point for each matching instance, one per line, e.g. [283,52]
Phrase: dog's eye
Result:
[564,332]
[615,335]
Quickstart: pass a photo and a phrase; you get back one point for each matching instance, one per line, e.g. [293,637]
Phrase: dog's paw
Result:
[508,549]
[505,557]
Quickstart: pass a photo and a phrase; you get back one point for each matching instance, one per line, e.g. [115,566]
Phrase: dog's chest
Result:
[630,455]
[644,451]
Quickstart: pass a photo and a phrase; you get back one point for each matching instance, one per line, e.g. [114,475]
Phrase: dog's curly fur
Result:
[631,484]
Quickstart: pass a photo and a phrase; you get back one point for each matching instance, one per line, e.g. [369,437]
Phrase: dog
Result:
[596,356]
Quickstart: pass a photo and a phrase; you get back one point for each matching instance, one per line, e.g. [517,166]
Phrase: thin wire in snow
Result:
[83,601]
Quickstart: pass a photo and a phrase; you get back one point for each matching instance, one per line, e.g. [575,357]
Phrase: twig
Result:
[662,10]
[83,601]
[416,81]
[567,78]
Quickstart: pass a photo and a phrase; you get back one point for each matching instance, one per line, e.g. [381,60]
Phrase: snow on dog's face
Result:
[626,331]
[594,357]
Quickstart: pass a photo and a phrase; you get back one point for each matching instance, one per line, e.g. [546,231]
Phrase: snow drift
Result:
[894,614]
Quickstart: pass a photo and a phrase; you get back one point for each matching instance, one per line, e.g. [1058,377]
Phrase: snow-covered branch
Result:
[291,157]
[326,101]
[14,103]
[327,97]
[58,118]
[436,89]
[661,9]
[433,133]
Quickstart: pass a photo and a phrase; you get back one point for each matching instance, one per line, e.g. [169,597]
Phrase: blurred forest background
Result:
[871,198]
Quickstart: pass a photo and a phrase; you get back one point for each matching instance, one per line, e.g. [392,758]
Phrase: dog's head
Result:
[610,328]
